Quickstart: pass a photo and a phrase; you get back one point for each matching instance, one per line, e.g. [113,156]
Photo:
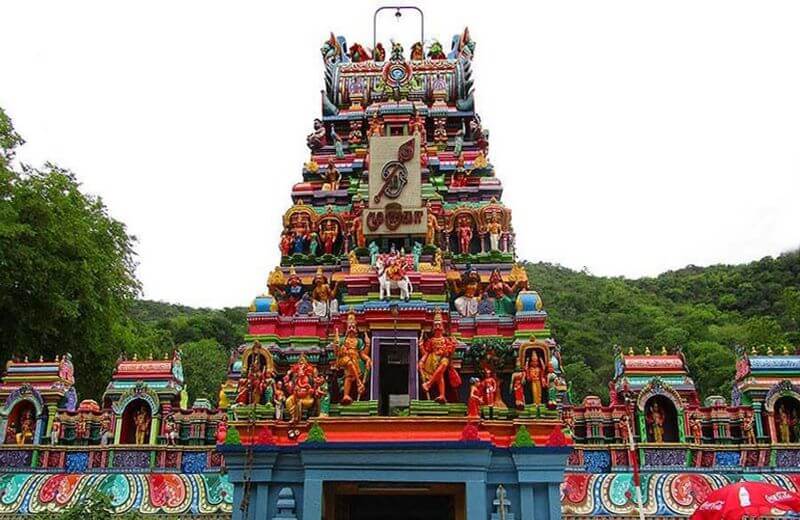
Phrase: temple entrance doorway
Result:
[394,380]
[393,501]
[394,375]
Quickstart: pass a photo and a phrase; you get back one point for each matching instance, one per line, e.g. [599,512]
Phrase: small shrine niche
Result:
[786,419]
[661,420]
[136,420]
[22,423]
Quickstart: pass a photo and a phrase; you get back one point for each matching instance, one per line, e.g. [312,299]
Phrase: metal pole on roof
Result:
[398,14]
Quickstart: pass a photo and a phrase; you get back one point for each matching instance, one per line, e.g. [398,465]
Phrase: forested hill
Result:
[706,310]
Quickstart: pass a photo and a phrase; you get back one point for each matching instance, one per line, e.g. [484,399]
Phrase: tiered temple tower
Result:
[398,327]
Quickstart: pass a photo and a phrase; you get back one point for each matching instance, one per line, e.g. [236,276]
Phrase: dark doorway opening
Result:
[393,501]
[394,396]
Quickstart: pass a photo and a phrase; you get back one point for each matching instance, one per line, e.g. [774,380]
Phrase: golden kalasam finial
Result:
[769,351]
[630,351]
[646,351]
[785,349]
[753,350]
[663,350]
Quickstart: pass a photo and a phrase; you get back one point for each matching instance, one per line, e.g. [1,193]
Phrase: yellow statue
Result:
[300,384]
[349,355]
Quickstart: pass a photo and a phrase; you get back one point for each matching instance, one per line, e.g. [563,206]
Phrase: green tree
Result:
[66,269]
[205,366]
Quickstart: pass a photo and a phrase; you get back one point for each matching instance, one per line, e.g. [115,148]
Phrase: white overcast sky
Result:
[632,137]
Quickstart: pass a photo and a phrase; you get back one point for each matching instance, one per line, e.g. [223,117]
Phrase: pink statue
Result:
[464,234]
[222,430]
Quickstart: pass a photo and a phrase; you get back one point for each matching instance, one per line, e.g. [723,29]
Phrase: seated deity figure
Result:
[435,364]
[331,177]
[25,433]
[290,295]
[300,385]
[470,289]
[323,296]
[316,139]
[502,293]
[352,356]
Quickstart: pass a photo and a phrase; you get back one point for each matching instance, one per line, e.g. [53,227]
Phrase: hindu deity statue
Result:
[502,293]
[433,227]
[534,374]
[475,399]
[352,357]
[552,387]
[379,53]
[81,429]
[696,428]
[222,430]
[624,427]
[440,132]
[748,428]
[300,385]
[469,288]
[491,391]
[357,232]
[290,294]
[106,435]
[55,432]
[141,422]
[328,235]
[251,386]
[785,423]
[323,296]
[479,135]
[316,139]
[331,177]
[465,234]
[300,241]
[287,242]
[323,396]
[495,230]
[655,420]
[375,126]
[459,177]
[171,431]
[397,51]
[435,51]
[279,400]
[518,387]
[25,433]
[435,364]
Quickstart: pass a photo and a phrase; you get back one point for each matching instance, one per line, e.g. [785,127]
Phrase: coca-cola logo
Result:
[717,505]
[778,496]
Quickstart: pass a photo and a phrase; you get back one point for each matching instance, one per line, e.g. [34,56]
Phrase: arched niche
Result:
[786,419]
[533,358]
[660,414]
[667,409]
[135,409]
[22,423]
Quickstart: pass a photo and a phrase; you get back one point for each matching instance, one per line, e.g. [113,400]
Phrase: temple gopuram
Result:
[399,363]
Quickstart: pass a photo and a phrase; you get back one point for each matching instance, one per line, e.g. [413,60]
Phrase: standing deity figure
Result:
[105,430]
[323,296]
[171,431]
[142,422]
[491,391]
[784,425]
[316,139]
[375,126]
[279,400]
[655,419]
[417,127]
[222,430]
[534,374]
[25,433]
[357,232]
[331,177]
[300,386]
[470,289]
[518,387]
[475,399]
[328,234]
[55,432]
[352,357]
[323,396]
[624,430]
[299,241]
[433,227]
[502,293]
[748,428]
[251,385]
[696,428]
[552,387]
[435,364]
[464,234]
[287,241]
[495,229]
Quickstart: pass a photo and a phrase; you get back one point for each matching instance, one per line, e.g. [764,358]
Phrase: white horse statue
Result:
[392,277]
